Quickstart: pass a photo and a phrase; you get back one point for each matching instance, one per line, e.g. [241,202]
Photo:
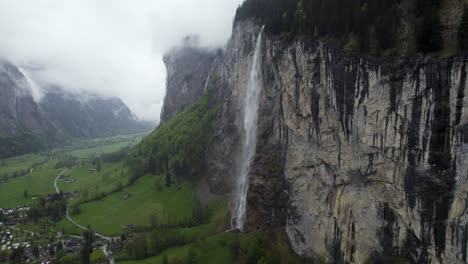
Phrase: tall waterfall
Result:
[249,137]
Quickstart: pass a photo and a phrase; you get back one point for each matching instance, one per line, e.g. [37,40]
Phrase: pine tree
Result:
[168,179]
[463,30]
[168,176]
[35,251]
[429,37]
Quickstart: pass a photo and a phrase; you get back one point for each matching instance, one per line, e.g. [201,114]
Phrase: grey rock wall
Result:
[355,156]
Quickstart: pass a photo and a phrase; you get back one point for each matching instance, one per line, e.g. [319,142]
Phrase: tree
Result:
[168,176]
[429,37]
[86,250]
[165,260]
[59,246]
[168,179]
[99,165]
[191,256]
[153,167]
[51,251]
[198,213]
[17,255]
[463,30]
[75,209]
[85,254]
[35,251]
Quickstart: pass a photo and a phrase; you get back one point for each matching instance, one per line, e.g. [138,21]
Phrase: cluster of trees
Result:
[21,144]
[153,243]
[463,30]
[429,29]
[115,156]
[5,177]
[16,174]
[177,148]
[66,162]
[372,23]
[362,25]
[54,209]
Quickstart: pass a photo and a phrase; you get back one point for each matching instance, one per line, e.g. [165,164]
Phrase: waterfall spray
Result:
[249,139]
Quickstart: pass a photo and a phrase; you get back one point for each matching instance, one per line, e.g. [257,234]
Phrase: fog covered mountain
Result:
[27,125]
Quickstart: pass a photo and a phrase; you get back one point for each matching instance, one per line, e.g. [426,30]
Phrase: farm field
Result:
[135,205]
[106,180]
[19,163]
[39,182]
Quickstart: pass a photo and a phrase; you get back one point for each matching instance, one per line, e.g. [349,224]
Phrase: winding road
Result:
[108,239]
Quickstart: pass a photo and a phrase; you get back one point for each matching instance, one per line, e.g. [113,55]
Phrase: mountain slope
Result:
[28,126]
[88,116]
[23,126]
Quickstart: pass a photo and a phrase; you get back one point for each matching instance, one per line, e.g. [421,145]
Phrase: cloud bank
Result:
[108,47]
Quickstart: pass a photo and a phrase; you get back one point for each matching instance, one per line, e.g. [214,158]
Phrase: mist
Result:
[107,47]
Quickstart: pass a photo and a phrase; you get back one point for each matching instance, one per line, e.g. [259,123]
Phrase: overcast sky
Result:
[109,47]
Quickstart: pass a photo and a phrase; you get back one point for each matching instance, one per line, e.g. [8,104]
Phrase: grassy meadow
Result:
[136,205]
[39,182]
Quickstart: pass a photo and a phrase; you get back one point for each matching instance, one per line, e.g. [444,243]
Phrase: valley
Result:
[141,222]
[280,131]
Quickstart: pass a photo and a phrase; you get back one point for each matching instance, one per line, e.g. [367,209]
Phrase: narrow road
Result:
[56,179]
[108,239]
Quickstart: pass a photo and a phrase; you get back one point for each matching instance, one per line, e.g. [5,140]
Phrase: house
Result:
[97,244]
[13,221]
[51,197]
[114,247]
[129,228]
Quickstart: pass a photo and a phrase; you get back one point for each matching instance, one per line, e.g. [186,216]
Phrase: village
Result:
[41,247]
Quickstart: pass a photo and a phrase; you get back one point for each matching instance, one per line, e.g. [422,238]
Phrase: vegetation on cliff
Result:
[177,148]
[463,30]
[372,26]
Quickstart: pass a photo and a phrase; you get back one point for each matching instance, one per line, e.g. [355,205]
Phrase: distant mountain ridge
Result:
[29,126]
[98,116]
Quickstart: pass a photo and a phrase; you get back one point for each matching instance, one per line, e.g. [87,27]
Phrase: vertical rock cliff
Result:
[188,68]
[23,126]
[355,156]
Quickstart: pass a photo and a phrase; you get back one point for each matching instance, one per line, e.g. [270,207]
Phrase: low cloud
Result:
[108,47]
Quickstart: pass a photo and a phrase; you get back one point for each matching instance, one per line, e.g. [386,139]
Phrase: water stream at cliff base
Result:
[249,137]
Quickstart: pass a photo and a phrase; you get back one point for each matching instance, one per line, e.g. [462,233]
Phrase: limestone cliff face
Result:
[355,156]
[188,68]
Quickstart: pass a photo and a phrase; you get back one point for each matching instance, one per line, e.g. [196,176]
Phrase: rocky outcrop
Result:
[355,156]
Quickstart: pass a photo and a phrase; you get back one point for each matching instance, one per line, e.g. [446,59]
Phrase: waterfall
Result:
[249,137]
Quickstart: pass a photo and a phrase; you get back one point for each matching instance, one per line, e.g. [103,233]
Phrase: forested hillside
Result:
[375,26]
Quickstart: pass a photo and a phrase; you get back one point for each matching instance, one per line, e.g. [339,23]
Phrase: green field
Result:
[213,250]
[256,247]
[105,180]
[96,151]
[39,182]
[19,163]
[86,148]
[113,213]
